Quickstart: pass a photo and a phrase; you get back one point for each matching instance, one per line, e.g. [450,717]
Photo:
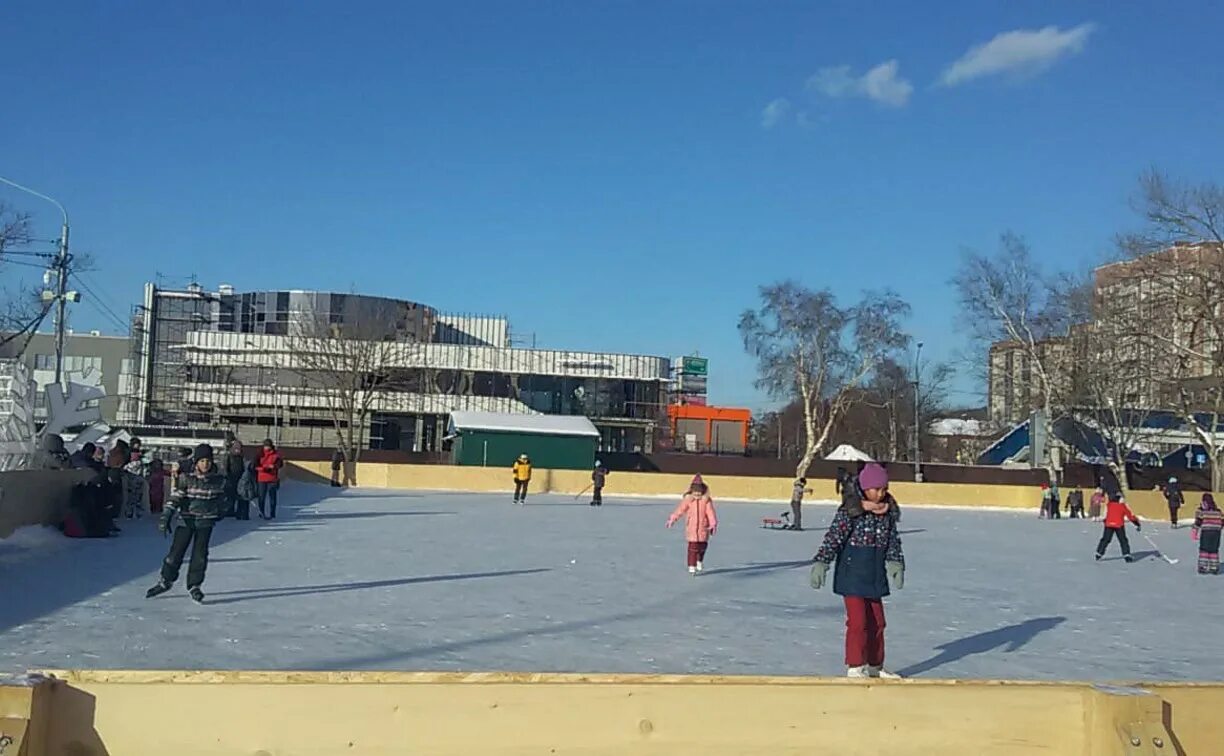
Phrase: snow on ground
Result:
[446,581]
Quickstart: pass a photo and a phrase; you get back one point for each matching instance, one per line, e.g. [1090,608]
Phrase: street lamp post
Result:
[61,294]
[917,415]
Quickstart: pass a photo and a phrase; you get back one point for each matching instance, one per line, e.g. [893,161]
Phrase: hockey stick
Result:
[580,493]
[1159,553]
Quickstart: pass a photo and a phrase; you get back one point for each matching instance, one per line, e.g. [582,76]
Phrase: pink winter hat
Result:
[697,481]
[873,476]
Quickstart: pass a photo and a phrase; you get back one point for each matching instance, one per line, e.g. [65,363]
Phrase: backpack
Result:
[246,485]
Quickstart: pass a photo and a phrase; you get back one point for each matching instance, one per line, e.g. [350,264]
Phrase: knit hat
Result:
[203,451]
[697,481]
[873,476]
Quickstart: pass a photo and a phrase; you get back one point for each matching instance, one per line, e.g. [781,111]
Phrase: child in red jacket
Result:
[1116,515]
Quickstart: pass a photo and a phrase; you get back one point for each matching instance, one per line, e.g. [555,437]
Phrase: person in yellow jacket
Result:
[522,476]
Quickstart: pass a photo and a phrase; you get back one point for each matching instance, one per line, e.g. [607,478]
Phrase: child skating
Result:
[797,491]
[198,500]
[1095,503]
[863,540]
[700,522]
[1173,496]
[1116,515]
[1208,521]
[522,477]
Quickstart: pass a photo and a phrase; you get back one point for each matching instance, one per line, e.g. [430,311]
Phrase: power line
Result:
[99,303]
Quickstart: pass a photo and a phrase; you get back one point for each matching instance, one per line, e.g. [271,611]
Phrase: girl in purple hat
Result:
[863,540]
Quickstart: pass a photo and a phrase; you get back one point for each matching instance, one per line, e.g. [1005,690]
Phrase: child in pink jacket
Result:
[700,522]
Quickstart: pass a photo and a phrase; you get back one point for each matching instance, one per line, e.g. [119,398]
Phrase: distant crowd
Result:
[129,482]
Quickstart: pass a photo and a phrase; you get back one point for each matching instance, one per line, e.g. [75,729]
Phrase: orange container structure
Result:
[717,429]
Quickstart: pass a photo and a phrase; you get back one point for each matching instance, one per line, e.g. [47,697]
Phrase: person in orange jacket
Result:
[1116,515]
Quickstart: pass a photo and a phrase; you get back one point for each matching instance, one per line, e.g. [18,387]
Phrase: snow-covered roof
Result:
[954,426]
[847,453]
[548,425]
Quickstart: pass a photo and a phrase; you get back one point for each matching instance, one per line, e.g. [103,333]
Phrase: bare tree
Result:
[350,365]
[810,349]
[1007,298]
[1175,279]
[20,311]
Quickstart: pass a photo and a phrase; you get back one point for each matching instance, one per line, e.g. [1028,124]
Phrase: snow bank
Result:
[31,539]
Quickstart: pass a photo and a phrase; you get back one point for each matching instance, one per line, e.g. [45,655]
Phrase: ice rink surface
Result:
[466,582]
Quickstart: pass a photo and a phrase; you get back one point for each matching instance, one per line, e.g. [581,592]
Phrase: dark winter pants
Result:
[520,490]
[696,552]
[797,512]
[268,492]
[240,507]
[335,479]
[1173,513]
[1108,536]
[195,534]
[597,499]
[864,631]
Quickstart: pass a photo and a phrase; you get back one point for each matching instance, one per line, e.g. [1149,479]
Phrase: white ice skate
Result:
[692,570]
[880,672]
[858,673]
[700,566]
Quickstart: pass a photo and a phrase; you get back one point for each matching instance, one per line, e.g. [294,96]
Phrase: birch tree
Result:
[350,366]
[1006,297]
[1176,278]
[812,350]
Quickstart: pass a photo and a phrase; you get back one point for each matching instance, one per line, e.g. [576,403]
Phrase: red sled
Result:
[772,523]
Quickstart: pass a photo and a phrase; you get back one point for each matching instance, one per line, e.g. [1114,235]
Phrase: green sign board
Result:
[694,366]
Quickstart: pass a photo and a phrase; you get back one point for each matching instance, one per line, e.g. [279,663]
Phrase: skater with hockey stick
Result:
[863,541]
[198,500]
[1116,515]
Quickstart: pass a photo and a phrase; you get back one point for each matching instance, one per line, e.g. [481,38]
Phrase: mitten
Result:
[1194,533]
[163,522]
[1138,526]
[819,571]
[896,574]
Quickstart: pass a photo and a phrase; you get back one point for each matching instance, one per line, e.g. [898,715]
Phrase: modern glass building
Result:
[254,362]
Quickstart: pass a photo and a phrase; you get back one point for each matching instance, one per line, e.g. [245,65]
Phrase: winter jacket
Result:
[52,455]
[246,489]
[1207,520]
[1173,495]
[599,477]
[269,466]
[157,490]
[797,492]
[522,471]
[136,464]
[337,461]
[861,545]
[199,495]
[700,519]
[232,467]
[1117,513]
[1096,502]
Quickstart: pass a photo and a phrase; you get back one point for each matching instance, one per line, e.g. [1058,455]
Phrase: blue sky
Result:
[616,176]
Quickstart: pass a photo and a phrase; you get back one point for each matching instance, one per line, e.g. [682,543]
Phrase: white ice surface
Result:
[420,581]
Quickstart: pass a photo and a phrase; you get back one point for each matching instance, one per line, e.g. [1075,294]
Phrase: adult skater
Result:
[797,491]
[1208,521]
[1116,515]
[1173,496]
[267,478]
[1095,503]
[337,465]
[1075,504]
[198,499]
[522,476]
[233,465]
[864,542]
[599,476]
[700,522]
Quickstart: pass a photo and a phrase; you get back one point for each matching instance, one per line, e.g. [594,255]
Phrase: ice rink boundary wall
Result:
[108,713]
[35,497]
[1146,504]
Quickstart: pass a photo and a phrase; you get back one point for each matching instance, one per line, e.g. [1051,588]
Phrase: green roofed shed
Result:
[493,439]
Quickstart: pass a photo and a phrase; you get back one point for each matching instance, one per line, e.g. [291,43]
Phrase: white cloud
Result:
[775,112]
[1018,52]
[881,83]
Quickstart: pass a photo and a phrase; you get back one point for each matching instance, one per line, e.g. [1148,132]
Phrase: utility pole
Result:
[60,296]
[917,416]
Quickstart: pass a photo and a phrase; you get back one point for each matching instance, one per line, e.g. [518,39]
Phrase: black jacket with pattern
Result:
[199,495]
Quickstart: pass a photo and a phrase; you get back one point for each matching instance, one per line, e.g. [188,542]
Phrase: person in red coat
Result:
[267,478]
[1116,515]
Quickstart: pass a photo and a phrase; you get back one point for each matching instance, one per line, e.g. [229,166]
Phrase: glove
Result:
[1138,526]
[711,533]
[819,571]
[1194,534]
[163,522]
[896,574]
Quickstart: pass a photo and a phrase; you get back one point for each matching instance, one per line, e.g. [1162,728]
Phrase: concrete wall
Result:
[1146,504]
[36,497]
[95,713]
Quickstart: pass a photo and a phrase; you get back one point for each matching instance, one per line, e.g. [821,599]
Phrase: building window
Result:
[44,362]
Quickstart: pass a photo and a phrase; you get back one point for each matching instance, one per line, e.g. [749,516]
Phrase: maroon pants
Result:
[864,631]
[696,552]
